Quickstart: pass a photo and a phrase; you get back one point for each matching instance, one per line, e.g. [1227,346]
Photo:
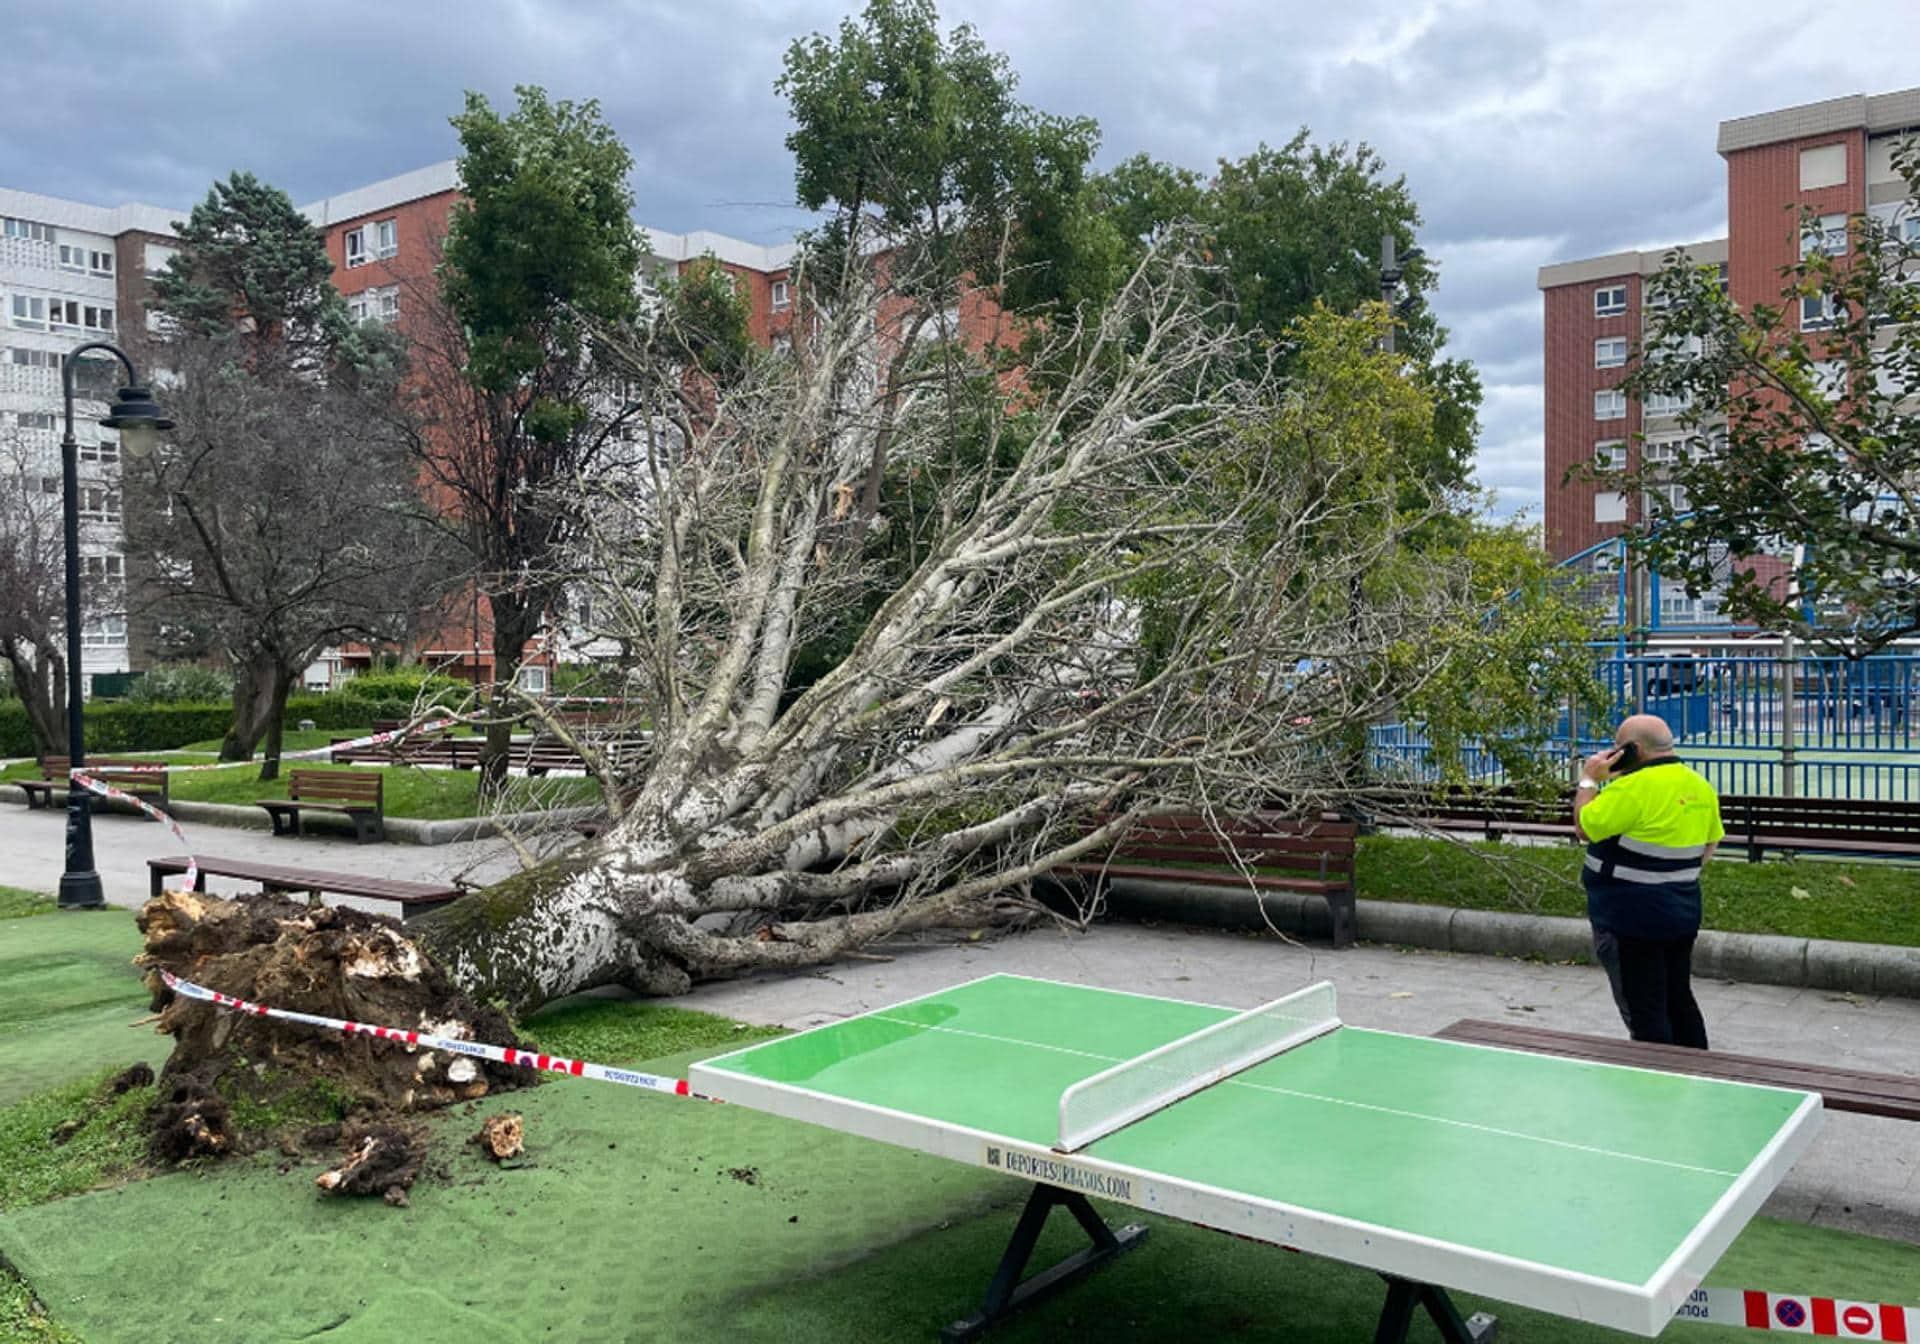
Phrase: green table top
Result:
[1581,1170]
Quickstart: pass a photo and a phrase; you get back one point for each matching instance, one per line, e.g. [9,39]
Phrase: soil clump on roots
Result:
[235,1080]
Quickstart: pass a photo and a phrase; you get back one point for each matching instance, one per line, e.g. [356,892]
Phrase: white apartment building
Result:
[68,273]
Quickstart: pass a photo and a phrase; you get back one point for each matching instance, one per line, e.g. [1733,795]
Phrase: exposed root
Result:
[381,1159]
[502,1136]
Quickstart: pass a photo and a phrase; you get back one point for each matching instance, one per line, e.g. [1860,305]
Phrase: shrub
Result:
[175,682]
[401,683]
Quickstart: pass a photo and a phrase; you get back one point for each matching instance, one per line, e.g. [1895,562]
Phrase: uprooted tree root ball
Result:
[332,961]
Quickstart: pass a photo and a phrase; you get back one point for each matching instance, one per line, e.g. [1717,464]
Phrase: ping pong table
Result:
[1592,1191]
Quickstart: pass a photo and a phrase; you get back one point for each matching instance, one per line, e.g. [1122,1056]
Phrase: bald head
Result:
[1649,732]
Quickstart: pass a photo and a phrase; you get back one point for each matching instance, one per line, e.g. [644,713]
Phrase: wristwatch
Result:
[1587,782]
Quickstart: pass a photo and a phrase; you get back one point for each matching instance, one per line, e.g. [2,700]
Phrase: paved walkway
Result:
[1863,1172]
[33,852]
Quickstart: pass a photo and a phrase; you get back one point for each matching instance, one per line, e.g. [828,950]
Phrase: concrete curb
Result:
[403,830]
[1757,958]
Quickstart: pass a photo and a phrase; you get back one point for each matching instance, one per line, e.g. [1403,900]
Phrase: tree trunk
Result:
[255,704]
[515,622]
[40,680]
[276,722]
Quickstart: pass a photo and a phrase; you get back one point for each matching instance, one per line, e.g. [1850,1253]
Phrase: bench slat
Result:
[1841,1089]
[422,894]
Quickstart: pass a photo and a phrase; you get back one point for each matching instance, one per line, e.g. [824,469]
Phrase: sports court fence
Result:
[1810,726]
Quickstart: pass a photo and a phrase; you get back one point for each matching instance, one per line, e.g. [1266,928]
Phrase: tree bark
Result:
[40,680]
[276,722]
[516,620]
[259,696]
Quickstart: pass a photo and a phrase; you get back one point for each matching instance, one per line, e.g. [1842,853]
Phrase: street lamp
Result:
[140,421]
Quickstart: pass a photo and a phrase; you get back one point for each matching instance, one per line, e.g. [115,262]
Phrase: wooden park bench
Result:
[147,785]
[1862,826]
[1840,1089]
[1317,856]
[1489,813]
[413,898]
[353,794]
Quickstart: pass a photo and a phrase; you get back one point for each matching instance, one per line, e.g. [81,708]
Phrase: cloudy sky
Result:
[1529,131]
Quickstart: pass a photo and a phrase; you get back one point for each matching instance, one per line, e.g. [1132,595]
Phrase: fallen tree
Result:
[1131,579]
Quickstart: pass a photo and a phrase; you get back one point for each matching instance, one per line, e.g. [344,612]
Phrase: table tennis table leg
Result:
[1403,1295]
[1008,1293]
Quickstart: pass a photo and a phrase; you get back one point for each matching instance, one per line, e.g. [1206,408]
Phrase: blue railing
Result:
[1854,725]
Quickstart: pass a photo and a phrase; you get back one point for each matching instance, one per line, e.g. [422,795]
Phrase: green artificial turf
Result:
[636,1216]
[1854,902]
[70,997]
[622,1031]
[15,903]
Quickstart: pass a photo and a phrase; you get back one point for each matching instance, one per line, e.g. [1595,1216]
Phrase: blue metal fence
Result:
[1851,727]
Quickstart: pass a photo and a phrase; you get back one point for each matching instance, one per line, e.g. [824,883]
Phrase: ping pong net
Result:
[1135,1088]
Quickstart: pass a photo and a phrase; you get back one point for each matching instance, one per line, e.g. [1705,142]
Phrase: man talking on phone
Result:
[1651,823]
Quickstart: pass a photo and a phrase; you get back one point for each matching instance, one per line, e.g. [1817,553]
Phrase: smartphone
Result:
[1626,755]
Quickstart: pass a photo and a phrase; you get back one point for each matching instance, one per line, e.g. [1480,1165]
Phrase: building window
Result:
[99,505]
[106,452]
[386,239]
[532,680]
[29,313]
[34,419]
[1825,166]
[1610,405]
[1610,302]
[782,296]
[1663,452]
[97,319]
[1673,496]
[27,228]
[1610,352]
[1829,235]
[100,263]
[375,305]
[356,240]
[1818,312]
[36,359]
[73,258]
[1610,455]
[1667,403]
[49,485]
[1910,230]
[103,568]
[104,632]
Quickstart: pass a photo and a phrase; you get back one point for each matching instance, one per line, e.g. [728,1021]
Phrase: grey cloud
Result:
[1530,131]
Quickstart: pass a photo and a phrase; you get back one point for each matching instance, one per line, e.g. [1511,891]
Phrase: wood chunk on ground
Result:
[502,1136]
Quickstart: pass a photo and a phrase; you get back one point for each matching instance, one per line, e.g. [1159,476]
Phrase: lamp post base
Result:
[81,891]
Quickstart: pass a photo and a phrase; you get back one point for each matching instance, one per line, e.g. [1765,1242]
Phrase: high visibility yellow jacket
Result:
[1649,830]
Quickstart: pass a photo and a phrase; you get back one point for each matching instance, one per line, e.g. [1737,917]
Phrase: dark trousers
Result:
[1651,979]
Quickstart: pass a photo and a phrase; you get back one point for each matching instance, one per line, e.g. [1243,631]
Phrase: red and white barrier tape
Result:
[1833,1318]
[87,780]
[527,1059]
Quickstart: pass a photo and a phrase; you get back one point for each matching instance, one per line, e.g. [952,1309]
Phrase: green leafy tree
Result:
[541,253]
[1802,435]
[280,516]
[1290,227]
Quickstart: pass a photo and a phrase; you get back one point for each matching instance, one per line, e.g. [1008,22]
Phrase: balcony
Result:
[27,254]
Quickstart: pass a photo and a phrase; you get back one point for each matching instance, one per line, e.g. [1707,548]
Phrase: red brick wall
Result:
[1571,431]
[1763,201]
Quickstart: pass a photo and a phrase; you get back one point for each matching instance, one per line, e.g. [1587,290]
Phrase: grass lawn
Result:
[15,903]
[427,795]
[1806,898]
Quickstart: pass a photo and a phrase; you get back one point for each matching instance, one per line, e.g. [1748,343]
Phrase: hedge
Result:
[119,726]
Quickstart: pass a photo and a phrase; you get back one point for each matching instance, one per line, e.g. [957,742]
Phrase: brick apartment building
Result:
[71,272]
[1833,157]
